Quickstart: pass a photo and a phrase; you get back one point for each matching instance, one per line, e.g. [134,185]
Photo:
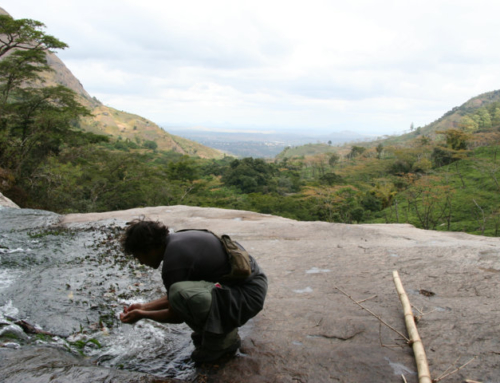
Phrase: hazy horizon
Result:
[299,131]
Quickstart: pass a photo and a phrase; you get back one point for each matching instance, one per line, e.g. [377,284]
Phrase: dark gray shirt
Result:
[193,256]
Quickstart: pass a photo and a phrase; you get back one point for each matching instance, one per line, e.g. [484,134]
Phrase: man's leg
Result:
[218,342]
[193,300]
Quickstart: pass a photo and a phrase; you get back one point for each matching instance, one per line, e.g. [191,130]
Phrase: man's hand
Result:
[134,306]
[131,315]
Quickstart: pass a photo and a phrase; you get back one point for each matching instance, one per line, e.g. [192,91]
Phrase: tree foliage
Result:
[35,121]
[430,200]
[250,175]
[25,35]
[356,151]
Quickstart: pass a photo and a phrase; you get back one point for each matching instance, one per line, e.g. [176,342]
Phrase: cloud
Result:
[321,64]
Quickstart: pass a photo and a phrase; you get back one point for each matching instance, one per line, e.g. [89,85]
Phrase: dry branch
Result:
[452,372]
[372,313]
[424,375]
[366,299]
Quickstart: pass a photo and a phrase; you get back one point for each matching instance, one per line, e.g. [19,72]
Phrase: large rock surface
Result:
[311,332]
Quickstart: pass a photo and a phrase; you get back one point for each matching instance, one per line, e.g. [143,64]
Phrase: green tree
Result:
[23,49]
[337,205]
[430,200]
[495,120]
[25,35]
[152,145]
[484,118]
[356,151]
[183,170]
[456,139]
[251,175]
[468,124]
[35,121]
[334,159]
[330,178]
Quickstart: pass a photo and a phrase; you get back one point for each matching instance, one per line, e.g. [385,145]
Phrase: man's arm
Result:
[158,304]
[162,316]
[158,310]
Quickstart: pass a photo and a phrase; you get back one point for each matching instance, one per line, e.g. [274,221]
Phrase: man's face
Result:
[152,258]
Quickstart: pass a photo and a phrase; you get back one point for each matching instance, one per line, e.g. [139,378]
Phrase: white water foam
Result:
[8,310]
[7,277]
[10,251]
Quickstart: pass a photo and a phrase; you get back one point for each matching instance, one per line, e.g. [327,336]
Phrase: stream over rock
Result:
[65,276]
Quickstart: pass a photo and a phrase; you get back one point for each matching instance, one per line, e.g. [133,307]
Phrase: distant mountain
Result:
[109,121]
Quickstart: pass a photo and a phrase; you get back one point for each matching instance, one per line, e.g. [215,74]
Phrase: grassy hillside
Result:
[126,126]
[121,125]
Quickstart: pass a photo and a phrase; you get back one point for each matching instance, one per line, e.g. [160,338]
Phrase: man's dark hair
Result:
[141,236]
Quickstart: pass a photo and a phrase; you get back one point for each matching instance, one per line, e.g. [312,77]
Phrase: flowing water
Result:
[72,283]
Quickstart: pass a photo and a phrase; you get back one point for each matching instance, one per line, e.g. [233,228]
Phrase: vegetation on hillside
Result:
[440,179]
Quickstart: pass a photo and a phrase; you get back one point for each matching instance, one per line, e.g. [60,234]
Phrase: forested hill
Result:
[480,112]
[117,124]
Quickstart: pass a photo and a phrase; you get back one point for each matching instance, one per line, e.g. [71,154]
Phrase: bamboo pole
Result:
[424,375]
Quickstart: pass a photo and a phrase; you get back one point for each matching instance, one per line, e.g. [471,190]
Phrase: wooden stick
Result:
[424,375]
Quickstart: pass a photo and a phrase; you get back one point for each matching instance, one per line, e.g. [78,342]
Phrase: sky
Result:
[315,66]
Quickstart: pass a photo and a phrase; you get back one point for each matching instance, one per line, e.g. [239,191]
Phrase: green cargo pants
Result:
[193,300]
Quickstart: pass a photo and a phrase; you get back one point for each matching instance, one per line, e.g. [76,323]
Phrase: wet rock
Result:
[47,364]
[10,345]
[13,331]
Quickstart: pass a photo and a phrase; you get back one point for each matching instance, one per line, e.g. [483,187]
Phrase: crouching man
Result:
[194,263]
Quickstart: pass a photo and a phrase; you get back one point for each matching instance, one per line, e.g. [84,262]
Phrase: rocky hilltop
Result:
[309,331]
